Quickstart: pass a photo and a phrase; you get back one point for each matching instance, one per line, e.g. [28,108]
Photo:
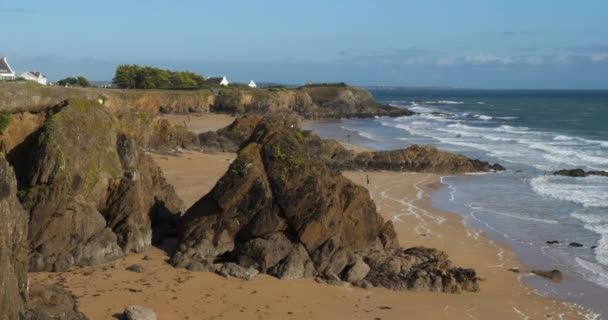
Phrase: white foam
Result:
[444,102]
[595,272]
[587,193]
[483,117]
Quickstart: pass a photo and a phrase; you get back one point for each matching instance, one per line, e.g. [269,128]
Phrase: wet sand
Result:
[104,291]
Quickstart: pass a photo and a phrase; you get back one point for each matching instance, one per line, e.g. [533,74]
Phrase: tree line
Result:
[137,77]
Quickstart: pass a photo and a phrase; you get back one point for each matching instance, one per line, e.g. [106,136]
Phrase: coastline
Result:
[104,290]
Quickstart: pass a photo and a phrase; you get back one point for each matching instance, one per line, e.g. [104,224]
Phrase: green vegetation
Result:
[137,77]
[5,120]
[80,81]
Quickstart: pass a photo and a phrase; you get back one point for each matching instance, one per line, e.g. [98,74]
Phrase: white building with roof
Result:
[35,76]
[218,81]
[252,84]
[6,72]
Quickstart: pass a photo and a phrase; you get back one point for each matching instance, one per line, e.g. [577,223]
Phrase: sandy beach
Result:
[104,291]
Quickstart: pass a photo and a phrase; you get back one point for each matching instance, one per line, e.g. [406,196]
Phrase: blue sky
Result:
[465,43]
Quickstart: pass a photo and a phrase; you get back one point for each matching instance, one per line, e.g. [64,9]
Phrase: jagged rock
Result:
[167,136]
[139,313]
[580,173]
[92,194]
[52,302]
[553,275]
[413,159]
[228,139]
[14,250]
[234,270]
[284,212]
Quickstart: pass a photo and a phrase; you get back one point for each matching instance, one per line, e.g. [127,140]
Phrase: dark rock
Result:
[553,275]
[415,158]
[580,173]
[576,244]
[515,270]
[138,313]
[571,173]
[14,251]
[283,211]
[92,194]
[552,242]
[593,247]
[136,268]
[234,270]
[52,302]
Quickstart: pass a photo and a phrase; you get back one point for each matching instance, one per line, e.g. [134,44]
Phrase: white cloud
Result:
[488,58]
[535,61]
[599,57]
[446,61]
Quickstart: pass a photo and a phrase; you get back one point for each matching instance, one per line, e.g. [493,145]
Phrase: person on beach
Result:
[367,177]
[348,138]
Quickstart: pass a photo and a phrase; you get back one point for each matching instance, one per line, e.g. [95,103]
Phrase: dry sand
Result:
[104,291]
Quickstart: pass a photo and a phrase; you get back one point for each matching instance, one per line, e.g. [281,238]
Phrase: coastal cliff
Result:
[310,102]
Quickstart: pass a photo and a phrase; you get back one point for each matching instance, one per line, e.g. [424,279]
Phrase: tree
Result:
[137,77]
[84,82]
[80,81]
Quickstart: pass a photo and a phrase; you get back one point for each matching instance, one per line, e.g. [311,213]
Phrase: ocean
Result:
[531,133]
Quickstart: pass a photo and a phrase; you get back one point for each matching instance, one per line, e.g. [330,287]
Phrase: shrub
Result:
[5,120]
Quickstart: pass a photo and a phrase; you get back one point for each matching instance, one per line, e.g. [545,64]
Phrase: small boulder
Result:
[139,313]
[136,268]
[230,269]
[552,242]
[357,272]
[553,275]
[575,245]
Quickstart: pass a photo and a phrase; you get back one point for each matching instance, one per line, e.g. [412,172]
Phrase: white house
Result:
[6,72]
[219,81]
[35,76]
[252,84]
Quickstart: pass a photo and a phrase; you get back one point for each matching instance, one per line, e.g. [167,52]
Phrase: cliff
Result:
[309,102]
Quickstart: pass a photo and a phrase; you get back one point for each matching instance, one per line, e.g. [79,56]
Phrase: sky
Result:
[456,43]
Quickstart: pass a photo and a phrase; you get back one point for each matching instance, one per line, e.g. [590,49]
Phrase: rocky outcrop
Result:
[580,173]
[14,250]
[284,212]
[52,302]
[91,193]
[412,159]
[230,138]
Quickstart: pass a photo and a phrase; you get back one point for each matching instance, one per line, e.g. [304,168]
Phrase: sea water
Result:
[532,134]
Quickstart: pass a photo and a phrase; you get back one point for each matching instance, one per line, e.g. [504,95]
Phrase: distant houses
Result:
[6,72]
[218,81]
[35,76]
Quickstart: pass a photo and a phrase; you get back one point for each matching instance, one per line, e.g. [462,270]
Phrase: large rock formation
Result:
[413,159]
[91,193]
[286,213]
[52,302]
[14,250]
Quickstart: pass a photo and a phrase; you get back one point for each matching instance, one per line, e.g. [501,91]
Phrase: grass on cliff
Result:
[5,120]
